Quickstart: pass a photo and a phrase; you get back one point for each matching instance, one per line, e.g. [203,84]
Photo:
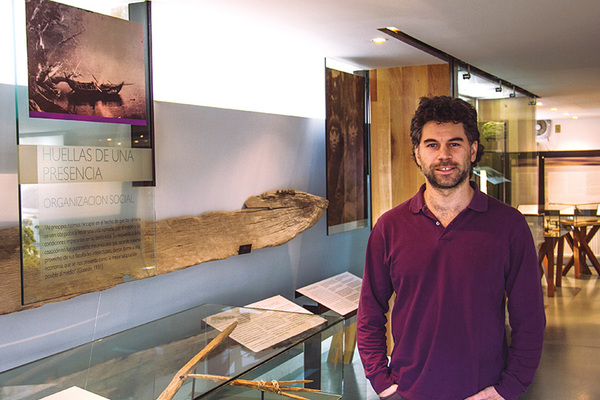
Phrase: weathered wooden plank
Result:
[269,219]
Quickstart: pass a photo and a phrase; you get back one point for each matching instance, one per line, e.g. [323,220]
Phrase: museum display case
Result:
[509,167]
[140,363]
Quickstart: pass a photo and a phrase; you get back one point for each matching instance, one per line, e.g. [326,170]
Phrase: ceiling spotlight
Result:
[514,93]
[499,88]
[379,40]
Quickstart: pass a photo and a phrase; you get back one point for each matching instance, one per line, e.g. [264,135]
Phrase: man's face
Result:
[445,155]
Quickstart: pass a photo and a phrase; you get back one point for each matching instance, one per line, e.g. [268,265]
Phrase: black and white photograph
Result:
[83,65]
[345,150]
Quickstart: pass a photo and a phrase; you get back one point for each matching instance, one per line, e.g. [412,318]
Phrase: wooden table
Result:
[546,261]
[579,240]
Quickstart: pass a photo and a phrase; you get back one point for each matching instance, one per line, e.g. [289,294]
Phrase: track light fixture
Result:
[499,88]
[467,75]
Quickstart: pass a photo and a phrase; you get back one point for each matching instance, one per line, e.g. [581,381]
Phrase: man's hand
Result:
[489,393]
[388,392]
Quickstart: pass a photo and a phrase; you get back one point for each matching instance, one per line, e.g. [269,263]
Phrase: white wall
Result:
[579,134]
[216,57]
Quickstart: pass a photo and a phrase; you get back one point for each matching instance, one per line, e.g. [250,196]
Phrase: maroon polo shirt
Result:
[448,319]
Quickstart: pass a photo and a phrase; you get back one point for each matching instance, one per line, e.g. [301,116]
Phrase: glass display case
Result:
[556,224]
[139,363]
[509,167]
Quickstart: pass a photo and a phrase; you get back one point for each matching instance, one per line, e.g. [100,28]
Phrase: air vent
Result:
[543,128]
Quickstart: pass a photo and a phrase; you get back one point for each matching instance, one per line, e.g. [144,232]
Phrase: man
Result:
[454,257]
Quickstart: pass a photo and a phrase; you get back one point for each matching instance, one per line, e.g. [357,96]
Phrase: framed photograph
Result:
[84,66]
[345,151]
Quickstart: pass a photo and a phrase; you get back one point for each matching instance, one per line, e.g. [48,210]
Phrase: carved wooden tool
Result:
[271,387]
[184,372]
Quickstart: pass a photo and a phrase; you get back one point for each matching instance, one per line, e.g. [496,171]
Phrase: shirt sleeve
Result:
[526,315]
[371,319]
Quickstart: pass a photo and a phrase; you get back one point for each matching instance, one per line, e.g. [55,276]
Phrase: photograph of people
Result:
[346,161]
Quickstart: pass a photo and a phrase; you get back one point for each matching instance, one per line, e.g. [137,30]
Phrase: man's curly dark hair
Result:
[444,109]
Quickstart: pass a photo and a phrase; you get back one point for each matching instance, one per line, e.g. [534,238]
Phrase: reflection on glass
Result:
[507,128]
[572,184]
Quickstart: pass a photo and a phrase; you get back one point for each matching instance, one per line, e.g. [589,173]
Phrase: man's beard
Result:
[447,182]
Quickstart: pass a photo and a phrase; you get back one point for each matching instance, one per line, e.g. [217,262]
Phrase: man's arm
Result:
[371,319]
[526,315]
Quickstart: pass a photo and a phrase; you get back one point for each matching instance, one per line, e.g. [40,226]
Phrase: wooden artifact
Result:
[113,371]
[270,219]
[183,373]
[274,387]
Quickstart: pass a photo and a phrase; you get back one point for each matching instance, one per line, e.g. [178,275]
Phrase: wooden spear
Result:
[271,387]
[183,373]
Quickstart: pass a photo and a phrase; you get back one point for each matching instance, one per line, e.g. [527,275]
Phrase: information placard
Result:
[86,146]
[259,330]
[71,164]
[85,236]
[339,293]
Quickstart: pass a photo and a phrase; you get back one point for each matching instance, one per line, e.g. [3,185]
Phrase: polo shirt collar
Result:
[478,203]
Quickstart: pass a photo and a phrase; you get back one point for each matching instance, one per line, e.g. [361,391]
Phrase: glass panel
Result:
[508,169]
[572,184]
[85,138]
[84,236]
[141,362]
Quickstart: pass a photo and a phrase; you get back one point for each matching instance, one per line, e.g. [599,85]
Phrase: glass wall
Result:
[508,170]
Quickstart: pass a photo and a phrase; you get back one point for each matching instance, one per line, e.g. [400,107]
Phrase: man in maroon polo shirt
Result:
[455,258]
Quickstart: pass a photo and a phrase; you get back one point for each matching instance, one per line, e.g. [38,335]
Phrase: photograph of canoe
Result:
[84,65]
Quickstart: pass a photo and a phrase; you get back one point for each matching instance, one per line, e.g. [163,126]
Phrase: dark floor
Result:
[570,365]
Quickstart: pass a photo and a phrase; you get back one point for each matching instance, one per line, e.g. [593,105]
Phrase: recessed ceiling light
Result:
[554,109]
[379,40]
[575,117]
[566,114]
[539,103]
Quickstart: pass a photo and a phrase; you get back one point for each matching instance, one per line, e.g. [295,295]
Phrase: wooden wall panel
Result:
[381,146]
[395,177]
